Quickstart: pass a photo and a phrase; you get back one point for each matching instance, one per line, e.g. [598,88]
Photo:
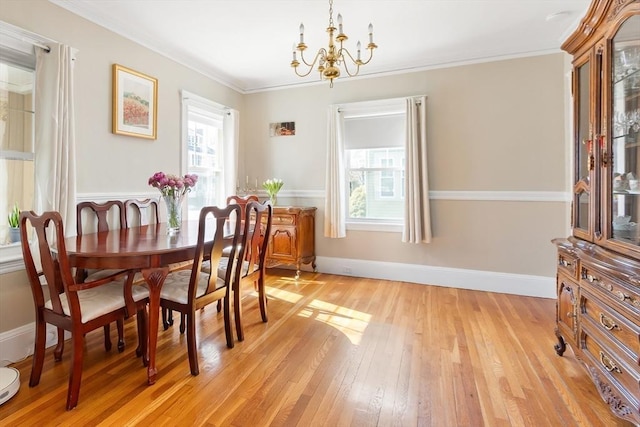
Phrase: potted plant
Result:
[14,224]
[272,186]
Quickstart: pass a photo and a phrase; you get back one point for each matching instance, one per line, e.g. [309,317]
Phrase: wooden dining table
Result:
[149,249]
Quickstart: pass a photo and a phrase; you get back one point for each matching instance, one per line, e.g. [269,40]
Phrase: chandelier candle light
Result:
[330,59]
[272,186]
[173,188]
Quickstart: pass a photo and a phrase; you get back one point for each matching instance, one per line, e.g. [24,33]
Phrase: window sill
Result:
[387,227]
[11,258]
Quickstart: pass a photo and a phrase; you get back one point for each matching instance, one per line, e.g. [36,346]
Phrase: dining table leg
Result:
[155,279]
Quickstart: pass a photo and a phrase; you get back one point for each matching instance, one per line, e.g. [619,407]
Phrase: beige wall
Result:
[497,126]
[16,302]
[492,127]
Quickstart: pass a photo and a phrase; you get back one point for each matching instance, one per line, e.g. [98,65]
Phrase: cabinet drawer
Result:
[623,332]
[568,263]
[624,296]
[283,219]
[624,379]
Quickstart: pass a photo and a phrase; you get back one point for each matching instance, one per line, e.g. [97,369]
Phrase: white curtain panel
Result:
[55,164]
[334,209]
[417,218]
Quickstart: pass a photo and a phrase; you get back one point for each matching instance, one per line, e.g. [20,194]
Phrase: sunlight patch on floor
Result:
[299,281]
[350,322]
[281,294]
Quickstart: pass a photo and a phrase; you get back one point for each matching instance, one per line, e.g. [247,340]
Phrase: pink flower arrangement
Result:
[173,185]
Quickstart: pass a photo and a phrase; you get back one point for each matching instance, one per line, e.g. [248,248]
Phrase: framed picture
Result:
[282,129]
[135,103]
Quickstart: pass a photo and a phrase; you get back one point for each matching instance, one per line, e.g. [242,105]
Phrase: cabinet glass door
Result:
[625,134]
[583,153]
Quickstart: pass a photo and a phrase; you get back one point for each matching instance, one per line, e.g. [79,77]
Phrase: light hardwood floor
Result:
[337,351]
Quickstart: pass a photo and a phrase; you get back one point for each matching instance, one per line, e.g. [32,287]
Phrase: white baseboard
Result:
[489,281]
[17,344]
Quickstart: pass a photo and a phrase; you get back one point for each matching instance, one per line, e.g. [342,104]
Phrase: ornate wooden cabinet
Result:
[292,237]
[598,278]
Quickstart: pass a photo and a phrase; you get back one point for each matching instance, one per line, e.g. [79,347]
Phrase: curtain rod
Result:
[25,36]
[377,102]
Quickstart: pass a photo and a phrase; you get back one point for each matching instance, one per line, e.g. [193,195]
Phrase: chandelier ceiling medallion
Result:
[330,59]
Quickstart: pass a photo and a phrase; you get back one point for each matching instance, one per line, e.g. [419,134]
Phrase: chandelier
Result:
[330,59]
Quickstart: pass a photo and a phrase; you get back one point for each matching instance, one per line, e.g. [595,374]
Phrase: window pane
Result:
[17,183]
[16,109]
[204,153]
[16,143]
[376,183]
[367,200]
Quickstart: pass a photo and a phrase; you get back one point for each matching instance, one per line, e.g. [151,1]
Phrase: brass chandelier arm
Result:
[321,53]
[344,53]
[345,63]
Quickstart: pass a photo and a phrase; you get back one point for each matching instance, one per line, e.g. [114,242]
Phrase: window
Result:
[17,155]
[204,149]
[374,157]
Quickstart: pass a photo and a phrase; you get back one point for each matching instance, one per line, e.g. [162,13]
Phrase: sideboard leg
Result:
[561,346]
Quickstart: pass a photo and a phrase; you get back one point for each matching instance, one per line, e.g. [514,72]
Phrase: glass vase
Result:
[174,212]
[273,198]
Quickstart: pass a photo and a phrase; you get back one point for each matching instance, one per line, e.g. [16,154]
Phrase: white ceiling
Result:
[247,44]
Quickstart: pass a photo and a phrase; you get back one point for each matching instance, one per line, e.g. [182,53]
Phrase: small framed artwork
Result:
[135,103]
[282,129]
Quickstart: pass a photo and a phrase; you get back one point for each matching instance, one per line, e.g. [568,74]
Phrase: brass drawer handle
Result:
[606,286]
[607,323]
[622,296]
[593,279]
[563,262]
[609,364]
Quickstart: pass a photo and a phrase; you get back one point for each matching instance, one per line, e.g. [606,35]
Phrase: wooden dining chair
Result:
[187,291]
[252,249]
[95,217]
[72,306]
[255,237]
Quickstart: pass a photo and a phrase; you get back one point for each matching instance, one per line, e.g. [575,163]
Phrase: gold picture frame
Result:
[135,103]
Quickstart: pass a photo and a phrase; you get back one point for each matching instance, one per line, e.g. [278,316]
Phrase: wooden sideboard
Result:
[598,267]
[292,237]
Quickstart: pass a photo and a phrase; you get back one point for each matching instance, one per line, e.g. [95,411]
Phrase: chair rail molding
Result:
[509,196]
